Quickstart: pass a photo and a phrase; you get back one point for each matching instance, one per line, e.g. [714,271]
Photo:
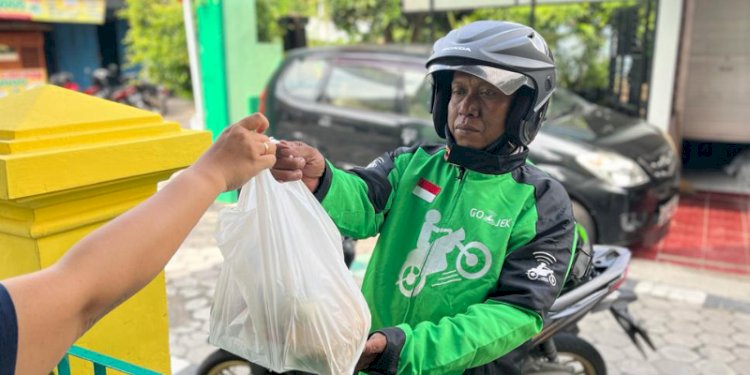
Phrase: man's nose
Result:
[470,105]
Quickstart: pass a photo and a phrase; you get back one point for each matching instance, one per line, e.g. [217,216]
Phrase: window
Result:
[363,87]
[7,53]
[302,78]
[417,93]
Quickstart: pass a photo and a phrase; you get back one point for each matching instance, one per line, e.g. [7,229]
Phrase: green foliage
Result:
[156,42]
[574,32]
[382,21]
[269,12]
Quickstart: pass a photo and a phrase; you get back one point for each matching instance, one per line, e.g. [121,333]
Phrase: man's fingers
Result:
[286,175]
[289,163]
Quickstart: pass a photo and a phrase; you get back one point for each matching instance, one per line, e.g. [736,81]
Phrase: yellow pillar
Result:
[69,163]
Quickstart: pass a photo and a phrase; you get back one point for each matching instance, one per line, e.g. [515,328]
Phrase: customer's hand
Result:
[239,154]
[374,346]
[298,161]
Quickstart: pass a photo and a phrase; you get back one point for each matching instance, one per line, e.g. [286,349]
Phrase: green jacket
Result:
[467,263]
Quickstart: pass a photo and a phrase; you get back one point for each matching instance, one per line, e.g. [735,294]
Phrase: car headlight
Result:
[613,168]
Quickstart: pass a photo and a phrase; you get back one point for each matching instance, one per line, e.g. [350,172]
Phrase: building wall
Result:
[664,67]
[76,50]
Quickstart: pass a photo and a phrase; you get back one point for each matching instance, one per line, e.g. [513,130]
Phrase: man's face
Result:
[476,111]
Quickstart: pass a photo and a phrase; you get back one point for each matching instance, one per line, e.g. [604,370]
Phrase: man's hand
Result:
[374,346]
[298,161]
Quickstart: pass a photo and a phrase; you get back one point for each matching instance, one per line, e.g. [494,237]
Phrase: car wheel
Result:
[584,218]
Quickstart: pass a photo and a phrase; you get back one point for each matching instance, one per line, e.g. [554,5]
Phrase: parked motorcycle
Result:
[558,349]
[64,79]
[594,285]
[145,95]
[107,84]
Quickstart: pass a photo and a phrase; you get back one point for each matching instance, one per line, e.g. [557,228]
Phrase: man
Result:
[467,299]
[43,313]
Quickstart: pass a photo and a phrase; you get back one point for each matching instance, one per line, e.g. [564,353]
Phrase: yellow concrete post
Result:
[70,162]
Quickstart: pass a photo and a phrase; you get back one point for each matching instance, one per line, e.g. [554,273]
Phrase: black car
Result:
[354,103]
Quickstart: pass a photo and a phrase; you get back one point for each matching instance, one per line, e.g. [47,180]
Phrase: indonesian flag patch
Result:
[426,190]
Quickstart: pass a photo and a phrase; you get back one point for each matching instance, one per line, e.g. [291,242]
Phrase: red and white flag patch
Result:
[426,190]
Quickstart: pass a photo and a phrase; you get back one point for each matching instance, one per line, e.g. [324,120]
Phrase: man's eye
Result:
[458,91]
[487,93]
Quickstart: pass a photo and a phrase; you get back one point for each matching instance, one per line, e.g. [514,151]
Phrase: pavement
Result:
[699,320]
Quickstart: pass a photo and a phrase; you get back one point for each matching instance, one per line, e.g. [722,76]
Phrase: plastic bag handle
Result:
[243,201]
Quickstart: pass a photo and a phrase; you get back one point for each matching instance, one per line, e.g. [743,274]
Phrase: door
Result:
[718,80]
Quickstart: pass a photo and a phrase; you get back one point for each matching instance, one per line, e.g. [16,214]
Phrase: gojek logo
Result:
[542,271]
[430,257]
[490,218]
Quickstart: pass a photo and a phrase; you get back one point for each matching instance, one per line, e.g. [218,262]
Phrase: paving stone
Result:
[687,315]
[682,339]
[718,327]
[636,367]
[679,354]
[710,339]
[741,338]
[718,354]
[652,303]
[191,292]
[610,337]
[195,304]
[742,367]
[182,329]
[680,326]
[710,367]
[202,314]
[657,339]
[610,353]
[660,328]
[666,366]
[742,352]
[177,350]
[741,320]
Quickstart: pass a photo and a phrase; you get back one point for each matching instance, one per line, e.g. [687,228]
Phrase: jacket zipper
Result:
[461,173]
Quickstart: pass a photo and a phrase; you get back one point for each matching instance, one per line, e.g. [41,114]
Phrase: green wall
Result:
[249,64]
[212,61]
[234,65]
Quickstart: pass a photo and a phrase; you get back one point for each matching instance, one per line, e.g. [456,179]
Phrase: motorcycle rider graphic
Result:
[472,262]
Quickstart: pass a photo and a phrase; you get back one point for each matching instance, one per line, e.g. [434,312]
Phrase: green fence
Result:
[100,362]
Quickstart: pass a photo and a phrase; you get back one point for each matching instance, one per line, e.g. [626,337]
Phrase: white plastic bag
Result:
[285,299]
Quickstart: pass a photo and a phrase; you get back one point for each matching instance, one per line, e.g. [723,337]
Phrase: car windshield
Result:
[361,86]
[568,116]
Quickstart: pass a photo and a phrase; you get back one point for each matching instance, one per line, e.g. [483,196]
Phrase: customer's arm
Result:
[57,305]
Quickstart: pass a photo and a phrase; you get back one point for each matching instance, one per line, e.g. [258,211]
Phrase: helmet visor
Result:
[506,81]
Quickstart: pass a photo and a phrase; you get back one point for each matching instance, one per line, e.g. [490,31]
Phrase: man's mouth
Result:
[466,128]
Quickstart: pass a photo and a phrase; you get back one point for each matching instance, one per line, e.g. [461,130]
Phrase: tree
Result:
[156,42]
[382,21]
[574,32]
[269,12]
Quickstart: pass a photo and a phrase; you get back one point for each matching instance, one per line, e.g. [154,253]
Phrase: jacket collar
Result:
[498,158]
